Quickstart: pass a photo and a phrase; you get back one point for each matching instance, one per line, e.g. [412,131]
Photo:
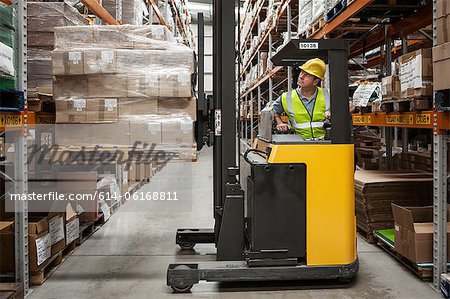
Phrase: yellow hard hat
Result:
[315,67]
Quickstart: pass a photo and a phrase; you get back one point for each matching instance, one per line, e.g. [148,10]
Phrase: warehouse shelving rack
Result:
[181,19]
[398,19]
[18,124]
[345,25]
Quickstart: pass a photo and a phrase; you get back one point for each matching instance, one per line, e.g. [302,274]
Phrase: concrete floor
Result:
[129,255]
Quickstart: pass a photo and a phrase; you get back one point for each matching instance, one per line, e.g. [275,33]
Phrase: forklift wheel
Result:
[187,246]
[184,289]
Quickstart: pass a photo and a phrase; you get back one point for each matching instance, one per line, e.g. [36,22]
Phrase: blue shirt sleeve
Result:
[277,106]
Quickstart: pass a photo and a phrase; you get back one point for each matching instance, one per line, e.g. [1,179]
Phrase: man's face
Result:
[306,80]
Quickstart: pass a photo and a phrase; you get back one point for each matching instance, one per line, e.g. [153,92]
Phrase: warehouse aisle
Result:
[128,256]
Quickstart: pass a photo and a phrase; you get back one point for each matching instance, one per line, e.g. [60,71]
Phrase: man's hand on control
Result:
[283,127]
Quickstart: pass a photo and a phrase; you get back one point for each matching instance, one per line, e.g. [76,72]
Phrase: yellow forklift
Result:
[296,218]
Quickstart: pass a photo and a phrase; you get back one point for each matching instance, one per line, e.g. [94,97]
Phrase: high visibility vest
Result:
[309,126]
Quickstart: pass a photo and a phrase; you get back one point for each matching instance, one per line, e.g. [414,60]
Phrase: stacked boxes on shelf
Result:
[318,9]
[416,74]
[43,17]
[48,235]
[133,11]
[441,53]
[305,17]
[126,81]
[7,46]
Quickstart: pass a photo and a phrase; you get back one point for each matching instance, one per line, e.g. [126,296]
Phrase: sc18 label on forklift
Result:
[308,46]
[218,122]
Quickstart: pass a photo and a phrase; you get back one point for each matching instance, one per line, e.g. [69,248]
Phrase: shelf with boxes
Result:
[274,24]
[180,24]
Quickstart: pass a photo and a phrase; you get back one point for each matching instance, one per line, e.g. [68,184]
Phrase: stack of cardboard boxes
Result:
[441,53]
[124,84]
[416,74]
[43,17]
[48,235]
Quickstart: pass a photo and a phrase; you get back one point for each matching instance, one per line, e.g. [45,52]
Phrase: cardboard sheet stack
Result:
[376,190]
[130,83]
[43,17]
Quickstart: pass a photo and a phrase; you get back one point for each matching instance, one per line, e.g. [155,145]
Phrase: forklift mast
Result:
[228,196]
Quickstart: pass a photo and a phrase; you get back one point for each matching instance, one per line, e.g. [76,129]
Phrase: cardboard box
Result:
[390,87]
[72,229]
[179,132]
[68,62]
[87,110]
[413,233]
[70,86]
[175,85]
[140,60]
[140,172]
[79,183]
[132,172]
[56,230]
[39,243]
[441,65]
[73,134]
[145,131]
[143,85]
[110,37]
[148,170]
[7,256]
[73,36]
[40,39]
[107,86]
[138,106]
[183,107]
[124,185]
[416,74]
[442,22]
[100,61]
[117,134]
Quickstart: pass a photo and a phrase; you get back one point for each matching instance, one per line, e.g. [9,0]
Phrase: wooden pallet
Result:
[11,291]
[367,236]
[406,105]
[315,26]
[87,229]
[424,273]
[38,278]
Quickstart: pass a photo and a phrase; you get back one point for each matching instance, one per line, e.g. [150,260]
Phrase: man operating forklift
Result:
[308,105]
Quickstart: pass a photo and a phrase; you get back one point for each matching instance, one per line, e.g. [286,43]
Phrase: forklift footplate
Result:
[183,276]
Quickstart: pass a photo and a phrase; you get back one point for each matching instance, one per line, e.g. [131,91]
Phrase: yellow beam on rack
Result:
[100,12]
[351,10]
[16,120]
[418,120]
[8,2]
